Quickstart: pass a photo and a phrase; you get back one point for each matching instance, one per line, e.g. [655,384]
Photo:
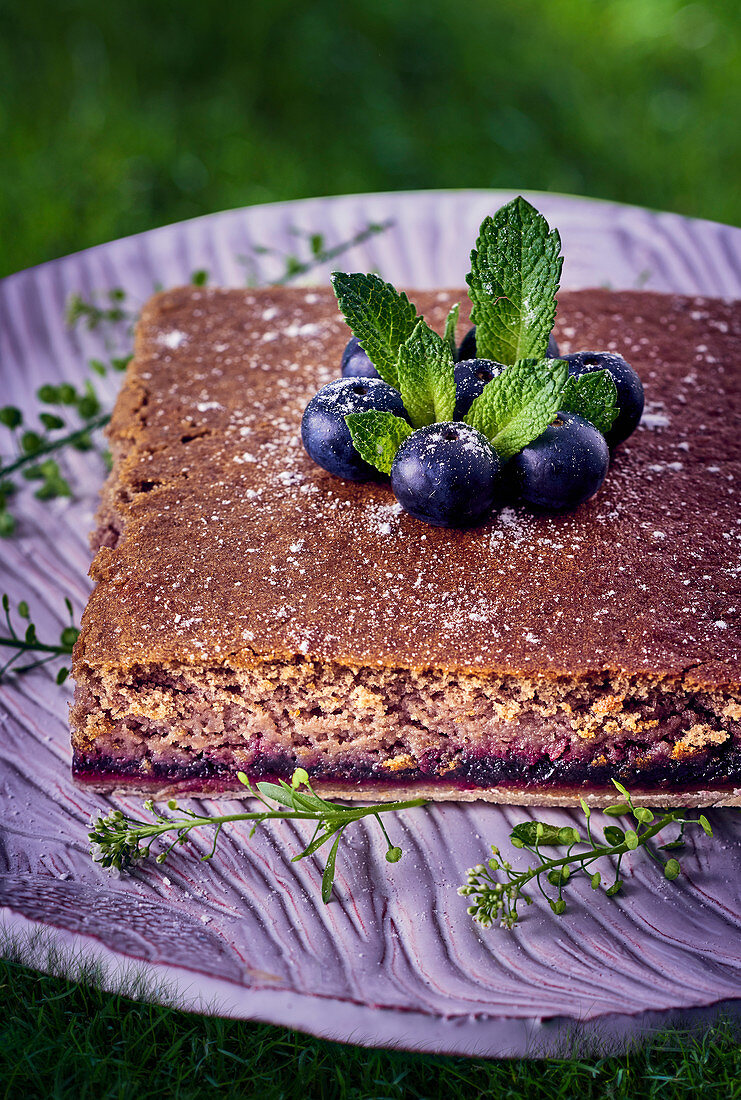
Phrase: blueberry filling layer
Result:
[718,768]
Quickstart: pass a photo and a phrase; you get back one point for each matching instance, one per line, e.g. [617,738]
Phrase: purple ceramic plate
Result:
[395,961]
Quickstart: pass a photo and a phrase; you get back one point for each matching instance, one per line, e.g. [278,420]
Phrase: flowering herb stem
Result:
[320,253]
[29,641]
[119,841]
[497,888]
[55,444]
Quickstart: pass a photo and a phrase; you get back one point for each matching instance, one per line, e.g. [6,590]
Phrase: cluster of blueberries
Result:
[448,474]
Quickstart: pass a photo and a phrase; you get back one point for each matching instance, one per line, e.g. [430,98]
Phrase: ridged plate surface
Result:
[395,960]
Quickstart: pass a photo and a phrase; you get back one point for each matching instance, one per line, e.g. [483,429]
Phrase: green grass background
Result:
[68,1039]
[121,116]
[118,117]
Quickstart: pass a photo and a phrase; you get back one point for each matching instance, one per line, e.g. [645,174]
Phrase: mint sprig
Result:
[380,316]
[426,378]
[515,273]
[377,436]
[519,404]
[592,396]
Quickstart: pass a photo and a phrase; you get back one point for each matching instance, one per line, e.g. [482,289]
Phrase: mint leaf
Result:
[519,404]
[377,436]
[426,378]
[381,317]
[451,323]
[515,272]
[593,396]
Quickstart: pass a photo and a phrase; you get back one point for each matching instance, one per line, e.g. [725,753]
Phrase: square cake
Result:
[252,612]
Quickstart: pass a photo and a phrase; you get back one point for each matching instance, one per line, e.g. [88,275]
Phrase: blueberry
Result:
[562,467]
[471,375]
[325,434]
[446,474]
[467,349]
[628,385]
[355,363]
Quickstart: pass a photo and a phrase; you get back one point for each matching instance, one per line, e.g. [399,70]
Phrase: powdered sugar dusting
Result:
[654,419]
[510,528]
[173,339]
[383,518]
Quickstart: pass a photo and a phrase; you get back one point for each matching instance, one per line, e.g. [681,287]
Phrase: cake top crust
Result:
[234,547]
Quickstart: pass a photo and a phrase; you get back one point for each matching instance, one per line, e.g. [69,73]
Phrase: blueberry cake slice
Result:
[252,612]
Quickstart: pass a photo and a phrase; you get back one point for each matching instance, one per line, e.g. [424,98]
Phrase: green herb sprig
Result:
[31,445]
[497,889]
[119,841]
[29,642]
[93,315]
[320,253]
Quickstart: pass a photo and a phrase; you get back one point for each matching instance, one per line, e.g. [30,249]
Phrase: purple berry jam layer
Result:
[472,774]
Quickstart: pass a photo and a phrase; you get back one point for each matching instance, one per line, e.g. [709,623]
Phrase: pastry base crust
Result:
[504,796]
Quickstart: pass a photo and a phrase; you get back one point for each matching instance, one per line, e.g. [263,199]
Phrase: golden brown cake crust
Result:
[236,547]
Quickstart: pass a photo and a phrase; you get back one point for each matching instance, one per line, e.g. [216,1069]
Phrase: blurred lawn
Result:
[118,117]
[60,1039]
